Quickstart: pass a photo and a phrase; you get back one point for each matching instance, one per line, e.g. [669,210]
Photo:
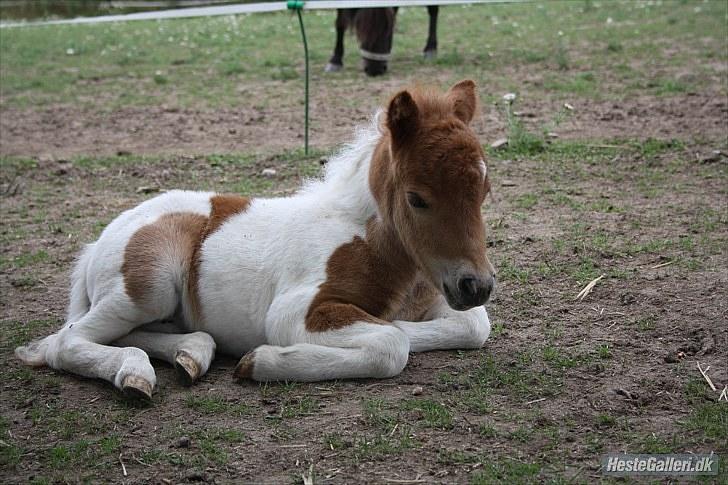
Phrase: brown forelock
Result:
[149,248]
[366,280]
[222,207]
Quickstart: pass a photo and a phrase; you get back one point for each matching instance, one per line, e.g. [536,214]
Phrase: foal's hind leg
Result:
[190,353]
[81,347]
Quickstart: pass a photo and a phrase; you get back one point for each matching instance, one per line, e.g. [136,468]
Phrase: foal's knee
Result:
[389,352]
[478,327]
[203,340]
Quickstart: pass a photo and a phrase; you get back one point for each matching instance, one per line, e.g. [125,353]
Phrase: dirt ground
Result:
[614,378]
[65,131]
[633,188]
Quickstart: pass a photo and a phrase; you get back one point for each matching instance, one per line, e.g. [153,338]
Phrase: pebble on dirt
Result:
[183,442]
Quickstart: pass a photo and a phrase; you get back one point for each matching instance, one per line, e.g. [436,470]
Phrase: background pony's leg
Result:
[430,50]
[190,353]
[446,328]
[336,63]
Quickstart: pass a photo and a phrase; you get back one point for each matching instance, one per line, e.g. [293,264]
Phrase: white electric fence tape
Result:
[247,8]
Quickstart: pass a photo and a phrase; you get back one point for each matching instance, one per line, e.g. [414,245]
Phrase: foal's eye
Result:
[416,201]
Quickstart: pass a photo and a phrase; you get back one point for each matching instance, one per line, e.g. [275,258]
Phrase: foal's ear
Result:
[464,100]
[403,116]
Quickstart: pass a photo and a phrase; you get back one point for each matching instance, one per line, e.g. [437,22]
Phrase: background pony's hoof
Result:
[137,387]
[333,67]
[430,55]
[186,367]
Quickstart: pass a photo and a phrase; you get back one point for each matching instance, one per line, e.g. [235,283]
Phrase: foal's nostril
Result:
[468,287]
[475,291]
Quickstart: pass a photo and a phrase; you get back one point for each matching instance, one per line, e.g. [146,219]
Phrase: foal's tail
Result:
[34,353]
[79,302]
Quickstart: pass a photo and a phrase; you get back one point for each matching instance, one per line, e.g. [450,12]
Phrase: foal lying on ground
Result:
[384,256]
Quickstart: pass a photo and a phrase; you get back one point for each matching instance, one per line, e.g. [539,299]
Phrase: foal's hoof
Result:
[429,55]
[186,367]
[137,388]
[244,369]
[333,67]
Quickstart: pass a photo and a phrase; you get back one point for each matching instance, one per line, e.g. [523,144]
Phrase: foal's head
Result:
[435,187]
[374,28]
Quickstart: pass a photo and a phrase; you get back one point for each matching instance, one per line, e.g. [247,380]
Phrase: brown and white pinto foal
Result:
[383,256]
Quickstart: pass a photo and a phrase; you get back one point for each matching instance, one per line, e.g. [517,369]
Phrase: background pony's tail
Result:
[34,353]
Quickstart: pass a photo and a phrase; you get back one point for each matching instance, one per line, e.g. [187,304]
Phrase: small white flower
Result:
[70,51]
[158,73]
[509,97]
[560,33]
[609,20]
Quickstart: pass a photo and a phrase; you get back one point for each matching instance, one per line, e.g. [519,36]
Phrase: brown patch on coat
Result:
[366,280]
[172,240]
[225,206]
[167,242]
[222,208]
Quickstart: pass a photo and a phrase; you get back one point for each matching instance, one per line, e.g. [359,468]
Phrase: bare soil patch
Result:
[65,131]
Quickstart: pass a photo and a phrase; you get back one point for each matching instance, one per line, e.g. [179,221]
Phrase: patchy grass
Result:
[216,404]
[203,60]
[434,414]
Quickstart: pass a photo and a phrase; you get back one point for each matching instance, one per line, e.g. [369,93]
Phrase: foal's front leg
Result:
[445,328]
[355,349]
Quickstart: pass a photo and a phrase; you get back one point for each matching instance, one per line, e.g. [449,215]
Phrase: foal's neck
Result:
[382,236]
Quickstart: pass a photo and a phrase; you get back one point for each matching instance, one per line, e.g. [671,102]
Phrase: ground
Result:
[628,184]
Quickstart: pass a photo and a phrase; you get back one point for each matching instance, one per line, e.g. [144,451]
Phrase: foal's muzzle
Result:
[471,291]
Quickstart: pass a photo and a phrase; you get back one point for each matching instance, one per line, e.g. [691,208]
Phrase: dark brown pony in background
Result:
[374,28]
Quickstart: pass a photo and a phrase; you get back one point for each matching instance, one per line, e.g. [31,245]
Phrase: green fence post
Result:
[297,5]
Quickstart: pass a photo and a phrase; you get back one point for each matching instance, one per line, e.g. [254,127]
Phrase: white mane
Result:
[345,182]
